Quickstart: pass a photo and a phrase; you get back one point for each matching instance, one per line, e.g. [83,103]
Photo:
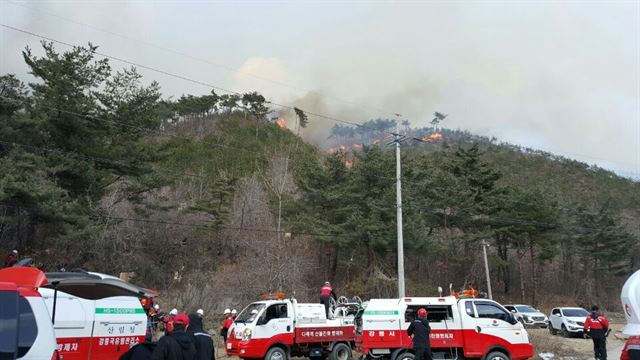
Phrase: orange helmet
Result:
[422,312]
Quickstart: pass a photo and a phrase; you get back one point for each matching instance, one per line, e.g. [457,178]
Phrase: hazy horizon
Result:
[563,77]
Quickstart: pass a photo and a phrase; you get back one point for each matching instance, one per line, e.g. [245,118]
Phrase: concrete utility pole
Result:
[486,268]
[398,139]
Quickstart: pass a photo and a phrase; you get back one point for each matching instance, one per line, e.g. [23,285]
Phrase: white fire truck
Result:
[630,297]
[277,329]
[95,316]
[460,328]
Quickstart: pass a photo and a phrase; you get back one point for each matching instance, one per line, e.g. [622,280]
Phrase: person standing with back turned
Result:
[326,293]
[596,327]
[419,330]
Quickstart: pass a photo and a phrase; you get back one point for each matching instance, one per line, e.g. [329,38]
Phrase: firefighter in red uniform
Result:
[596,327]
[326,293]
[226,324]
[11,259]
[168,321]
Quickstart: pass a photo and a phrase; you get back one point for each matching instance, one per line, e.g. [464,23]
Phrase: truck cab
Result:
[279,328]
[97,316]
[469,328]
[26,332]
[630,298]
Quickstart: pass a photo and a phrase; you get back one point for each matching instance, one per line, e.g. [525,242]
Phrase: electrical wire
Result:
[181,77]
[186,55]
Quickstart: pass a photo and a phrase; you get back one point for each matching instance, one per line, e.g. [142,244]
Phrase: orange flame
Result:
[282,123]
[348,164]
[433,137]
[343,148]
[356,146]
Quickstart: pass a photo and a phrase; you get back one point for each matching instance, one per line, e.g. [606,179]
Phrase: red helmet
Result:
[422,312]
[181,319]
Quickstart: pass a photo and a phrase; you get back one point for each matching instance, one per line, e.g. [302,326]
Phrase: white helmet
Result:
[173,312]
[156,306]
[200,312]
[234,311]
[226,312]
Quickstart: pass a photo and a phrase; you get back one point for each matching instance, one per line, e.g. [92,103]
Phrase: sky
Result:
[560,76]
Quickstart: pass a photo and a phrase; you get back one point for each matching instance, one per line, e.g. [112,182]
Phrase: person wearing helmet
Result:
[419,331]
[234,314]
[11,259]
[326,293]
[226,324]
[176,345]
[156,316]
[168,320]
[201,339]
[200,313]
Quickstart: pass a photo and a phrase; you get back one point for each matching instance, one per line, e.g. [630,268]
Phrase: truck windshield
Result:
[575,312]
[526,309]
[249,313]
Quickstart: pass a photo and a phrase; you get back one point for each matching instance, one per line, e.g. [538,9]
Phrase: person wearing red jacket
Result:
[326,293]
[596,327]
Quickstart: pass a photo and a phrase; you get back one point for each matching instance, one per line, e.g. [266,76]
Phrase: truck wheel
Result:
[405,356]
[552,330]
[276,353]
[565,332]
[497,355]
[340,351]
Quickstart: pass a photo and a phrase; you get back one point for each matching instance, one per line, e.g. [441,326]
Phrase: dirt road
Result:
[575,348]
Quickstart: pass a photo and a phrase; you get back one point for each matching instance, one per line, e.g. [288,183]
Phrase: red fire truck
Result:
[460,328]
[277,329]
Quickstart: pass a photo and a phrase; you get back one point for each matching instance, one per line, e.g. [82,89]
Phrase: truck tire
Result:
[565,332]
[497,355]
[407,355]
[340,351]
[276,353]
[552,330]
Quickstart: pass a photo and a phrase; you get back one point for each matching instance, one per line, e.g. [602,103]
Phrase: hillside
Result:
[211,201]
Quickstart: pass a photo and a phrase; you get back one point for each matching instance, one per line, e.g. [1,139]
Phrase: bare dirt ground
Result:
[574,348]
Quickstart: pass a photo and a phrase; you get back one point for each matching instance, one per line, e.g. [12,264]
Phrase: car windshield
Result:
[526,309]
[249,313]
[575,312]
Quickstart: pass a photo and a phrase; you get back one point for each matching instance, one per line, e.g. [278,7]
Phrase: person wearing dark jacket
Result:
[177,345]
[140,351]
[11,259]
[202,340]
[419,330]
[596,327]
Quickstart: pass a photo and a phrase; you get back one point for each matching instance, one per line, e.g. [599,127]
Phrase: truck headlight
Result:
[571,322]
[246,334]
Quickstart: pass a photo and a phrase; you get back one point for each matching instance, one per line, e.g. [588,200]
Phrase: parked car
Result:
[528,315]
[568,320]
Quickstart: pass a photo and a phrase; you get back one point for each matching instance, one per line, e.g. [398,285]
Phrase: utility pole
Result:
[398,139]
[486,267]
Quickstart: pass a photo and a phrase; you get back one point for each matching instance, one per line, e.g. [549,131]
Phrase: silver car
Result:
[528,315]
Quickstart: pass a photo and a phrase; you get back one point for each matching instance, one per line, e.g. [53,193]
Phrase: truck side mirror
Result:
[513,311]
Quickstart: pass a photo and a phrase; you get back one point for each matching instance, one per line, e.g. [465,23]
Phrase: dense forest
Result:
[214,201]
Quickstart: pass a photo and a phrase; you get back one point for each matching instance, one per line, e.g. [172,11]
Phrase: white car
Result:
[26,332]
[568,320]
[528,315]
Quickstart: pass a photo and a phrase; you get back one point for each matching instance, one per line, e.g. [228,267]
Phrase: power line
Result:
[225,67]
[181,77]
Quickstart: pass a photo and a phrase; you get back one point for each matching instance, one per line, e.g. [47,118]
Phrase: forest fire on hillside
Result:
[433,137]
